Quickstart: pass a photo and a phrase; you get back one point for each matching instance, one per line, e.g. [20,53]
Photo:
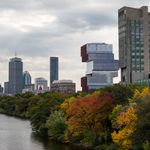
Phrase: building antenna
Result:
[15,54]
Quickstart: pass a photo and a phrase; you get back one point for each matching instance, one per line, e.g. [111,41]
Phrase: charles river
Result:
[16,134]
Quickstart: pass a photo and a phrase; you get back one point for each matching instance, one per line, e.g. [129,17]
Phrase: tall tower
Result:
[101,66]
[53,69]
[15,75]
[26,78]
[134,44]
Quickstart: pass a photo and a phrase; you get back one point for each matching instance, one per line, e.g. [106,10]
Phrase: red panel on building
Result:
[84,54]
[84,84]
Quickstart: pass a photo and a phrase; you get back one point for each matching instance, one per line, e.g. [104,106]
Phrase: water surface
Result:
[16,134]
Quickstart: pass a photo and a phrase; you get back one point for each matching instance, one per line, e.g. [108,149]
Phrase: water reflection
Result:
[52,145]
[16,134]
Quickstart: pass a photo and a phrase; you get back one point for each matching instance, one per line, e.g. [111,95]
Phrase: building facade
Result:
[134,44]
[53,69]
[6,88]
[15,76]
[63,86]
[29,88]
[1,90]
[26,78]
[40,85]
[27,83]
[101,66]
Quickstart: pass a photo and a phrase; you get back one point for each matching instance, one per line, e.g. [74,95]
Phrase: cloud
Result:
[38,29]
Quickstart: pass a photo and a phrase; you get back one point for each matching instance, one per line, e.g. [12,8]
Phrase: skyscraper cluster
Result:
[21,82]
[134,60]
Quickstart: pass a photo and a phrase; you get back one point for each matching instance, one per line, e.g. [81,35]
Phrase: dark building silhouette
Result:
[15,76]
[53,69]
[1,89]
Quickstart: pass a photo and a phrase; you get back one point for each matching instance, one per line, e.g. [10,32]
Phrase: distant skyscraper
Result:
[53,69]
[101,66]
[26,78]
[15,75]
[134,44]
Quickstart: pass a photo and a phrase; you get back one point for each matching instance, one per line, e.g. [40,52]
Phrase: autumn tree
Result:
[89,116]
[125,127]
[142,132]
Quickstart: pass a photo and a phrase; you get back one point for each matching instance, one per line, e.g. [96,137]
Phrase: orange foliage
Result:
[89,113]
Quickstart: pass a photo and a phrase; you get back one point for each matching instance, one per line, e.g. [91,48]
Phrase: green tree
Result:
[121,93]
[56,126]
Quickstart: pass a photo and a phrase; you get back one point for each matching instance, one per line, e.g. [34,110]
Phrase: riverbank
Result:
[16,134]
[103,120]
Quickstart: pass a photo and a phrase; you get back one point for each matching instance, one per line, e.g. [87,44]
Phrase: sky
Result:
[38,29]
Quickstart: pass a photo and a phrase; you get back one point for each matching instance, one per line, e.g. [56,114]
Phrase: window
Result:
[137,56]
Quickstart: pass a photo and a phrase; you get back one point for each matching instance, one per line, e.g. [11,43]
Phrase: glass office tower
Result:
[26,78]
[15,76]
[101,66]
[53,69]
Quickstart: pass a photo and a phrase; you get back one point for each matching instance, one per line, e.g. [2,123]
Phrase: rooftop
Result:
[62,81]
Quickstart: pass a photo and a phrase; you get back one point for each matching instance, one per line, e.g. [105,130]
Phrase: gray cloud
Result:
[37,29]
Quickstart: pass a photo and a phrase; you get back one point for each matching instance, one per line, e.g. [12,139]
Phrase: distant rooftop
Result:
[62,81]
[15,59]
[40,79]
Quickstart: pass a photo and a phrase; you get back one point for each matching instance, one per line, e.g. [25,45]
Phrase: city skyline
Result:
[37,32]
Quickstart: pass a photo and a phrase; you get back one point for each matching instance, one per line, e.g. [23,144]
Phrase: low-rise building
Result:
[28,88]
[63,86]
[6,88]
[40,85]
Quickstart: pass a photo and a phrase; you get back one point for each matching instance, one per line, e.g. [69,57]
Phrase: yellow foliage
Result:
[65,105]
[143,94]
[127,118]
[136,94]
[126,122]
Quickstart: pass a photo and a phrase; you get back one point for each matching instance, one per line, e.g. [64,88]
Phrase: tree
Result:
[125,127]
[90,114]
[56,126]
[120,93]
[142,132]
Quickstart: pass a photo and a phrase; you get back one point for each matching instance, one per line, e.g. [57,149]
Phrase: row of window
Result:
[136,22]
[137,68]
[137,56]
[137,51]
[137,39]
[138,62]
[137,45]
[137,33]
[135,29]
